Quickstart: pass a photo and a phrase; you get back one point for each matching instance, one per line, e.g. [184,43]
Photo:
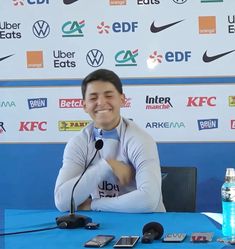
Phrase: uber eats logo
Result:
[64,59]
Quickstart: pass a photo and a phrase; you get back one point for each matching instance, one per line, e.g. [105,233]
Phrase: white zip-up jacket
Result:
[127,143]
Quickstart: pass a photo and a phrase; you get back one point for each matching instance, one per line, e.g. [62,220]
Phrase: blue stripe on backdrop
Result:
[28,171]
[132,81]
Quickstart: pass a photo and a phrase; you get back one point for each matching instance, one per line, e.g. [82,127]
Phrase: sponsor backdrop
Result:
[178,73]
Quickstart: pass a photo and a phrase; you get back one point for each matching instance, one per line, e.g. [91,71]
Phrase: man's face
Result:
[103,102]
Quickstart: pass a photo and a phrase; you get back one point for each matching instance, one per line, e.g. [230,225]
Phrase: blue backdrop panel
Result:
[28,171]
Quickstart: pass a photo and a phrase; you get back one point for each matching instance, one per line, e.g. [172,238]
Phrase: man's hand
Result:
[123,172]
[86,205]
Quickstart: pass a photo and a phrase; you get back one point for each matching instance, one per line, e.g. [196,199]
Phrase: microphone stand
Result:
[74,220]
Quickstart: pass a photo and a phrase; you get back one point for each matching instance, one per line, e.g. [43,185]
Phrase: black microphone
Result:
[152,231]
[73,220]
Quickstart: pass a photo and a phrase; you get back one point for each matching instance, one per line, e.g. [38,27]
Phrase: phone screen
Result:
[127,241]
[99,241]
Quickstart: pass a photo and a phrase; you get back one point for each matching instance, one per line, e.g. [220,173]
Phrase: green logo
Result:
[73,29]
[126,58]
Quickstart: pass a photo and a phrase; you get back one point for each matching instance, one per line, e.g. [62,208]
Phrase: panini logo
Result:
[231,101]
[37,103]
[207,24]
[233,124]
[207,124]
[117,2]
[34,59]
[73,125]
[71,103]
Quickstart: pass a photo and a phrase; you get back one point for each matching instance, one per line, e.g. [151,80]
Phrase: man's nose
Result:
[101,100]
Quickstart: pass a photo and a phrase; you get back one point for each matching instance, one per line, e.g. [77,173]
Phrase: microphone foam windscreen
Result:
[154,226]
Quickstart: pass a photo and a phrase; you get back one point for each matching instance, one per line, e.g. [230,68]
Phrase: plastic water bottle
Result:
[228,203]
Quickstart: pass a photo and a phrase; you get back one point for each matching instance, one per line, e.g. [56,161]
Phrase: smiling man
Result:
[125,174]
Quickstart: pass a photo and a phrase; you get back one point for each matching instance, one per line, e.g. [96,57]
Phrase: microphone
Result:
[73,220]
[152,231]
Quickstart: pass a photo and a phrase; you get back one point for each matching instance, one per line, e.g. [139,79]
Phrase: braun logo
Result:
[206,124]
[41,29]
[37,103]
[71,103]
[201,101]
[33,125]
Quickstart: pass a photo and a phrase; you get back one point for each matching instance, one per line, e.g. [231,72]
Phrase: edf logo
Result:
[177,56]
[124,27]
[38,1]
[33,125]
[201,101]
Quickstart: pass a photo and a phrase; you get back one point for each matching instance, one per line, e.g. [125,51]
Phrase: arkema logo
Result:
[165,125]
[207,124]
[37,103]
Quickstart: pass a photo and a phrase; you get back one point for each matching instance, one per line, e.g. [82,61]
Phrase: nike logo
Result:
[155,29]
[3,58]
[69,1]
[207,58]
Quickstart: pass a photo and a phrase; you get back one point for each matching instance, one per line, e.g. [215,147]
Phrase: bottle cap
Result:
[230,174]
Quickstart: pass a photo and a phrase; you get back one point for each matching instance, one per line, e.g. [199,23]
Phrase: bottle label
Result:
[228,194]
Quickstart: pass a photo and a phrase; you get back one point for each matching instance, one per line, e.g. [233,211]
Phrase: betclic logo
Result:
[201,101]
[33,126]
[233,124]
[71,103]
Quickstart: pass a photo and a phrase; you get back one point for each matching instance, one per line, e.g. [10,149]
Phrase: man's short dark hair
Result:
[103,75]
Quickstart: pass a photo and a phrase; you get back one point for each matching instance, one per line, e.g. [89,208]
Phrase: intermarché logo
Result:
[73,29]
[126,58]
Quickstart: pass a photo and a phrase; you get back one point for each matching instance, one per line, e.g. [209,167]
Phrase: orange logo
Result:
[117,2]
[34,59]
[207,24]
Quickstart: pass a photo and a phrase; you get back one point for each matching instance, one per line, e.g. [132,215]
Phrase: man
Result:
[125,174]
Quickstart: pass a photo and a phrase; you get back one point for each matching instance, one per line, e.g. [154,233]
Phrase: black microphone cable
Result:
[62,225]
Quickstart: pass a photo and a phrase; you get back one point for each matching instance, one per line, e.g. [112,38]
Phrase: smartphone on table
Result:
[126,241]
[99,241]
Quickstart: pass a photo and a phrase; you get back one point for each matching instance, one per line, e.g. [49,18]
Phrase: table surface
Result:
[116,224]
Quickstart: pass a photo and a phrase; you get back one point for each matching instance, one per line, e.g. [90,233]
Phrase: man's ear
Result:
[123,99]
[84,105]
